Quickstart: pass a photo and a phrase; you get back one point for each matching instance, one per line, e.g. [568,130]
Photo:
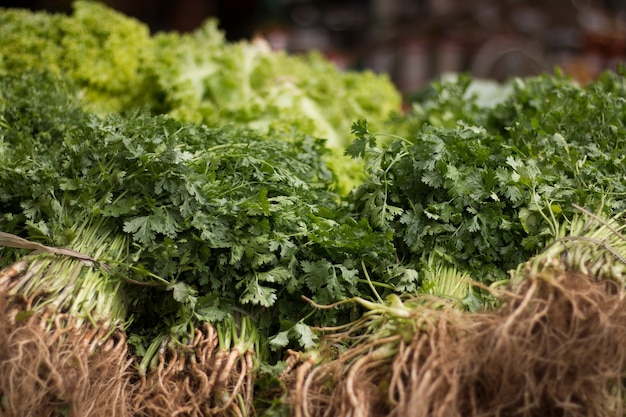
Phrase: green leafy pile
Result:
[104,52]
[205,79]
[482,186]
[221,221]
[193,184]
[197,77]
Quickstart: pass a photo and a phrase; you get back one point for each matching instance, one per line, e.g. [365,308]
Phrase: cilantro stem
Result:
[392,136]
[369,281]
[378,284]
[397,310]
[141,271]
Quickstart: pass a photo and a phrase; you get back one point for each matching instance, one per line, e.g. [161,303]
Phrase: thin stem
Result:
[369,281]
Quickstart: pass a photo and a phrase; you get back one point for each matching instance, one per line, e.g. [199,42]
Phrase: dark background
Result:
[412,40]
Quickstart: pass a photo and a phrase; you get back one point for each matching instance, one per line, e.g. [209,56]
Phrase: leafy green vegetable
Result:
[104,52]
[205,79]
[197,77]
[480,185]
[221,220]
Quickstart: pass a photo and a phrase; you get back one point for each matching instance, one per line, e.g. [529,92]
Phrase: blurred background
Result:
[413,41]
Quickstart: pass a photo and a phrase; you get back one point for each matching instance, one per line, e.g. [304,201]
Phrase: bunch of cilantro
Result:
[483,185]
[223,222]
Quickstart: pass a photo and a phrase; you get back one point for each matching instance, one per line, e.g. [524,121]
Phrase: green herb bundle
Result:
[481,186]
[218,222]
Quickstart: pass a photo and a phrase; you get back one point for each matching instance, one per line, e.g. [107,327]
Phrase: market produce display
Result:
[195,227]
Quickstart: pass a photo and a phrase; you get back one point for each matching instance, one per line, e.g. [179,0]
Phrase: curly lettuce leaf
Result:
[101,50]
